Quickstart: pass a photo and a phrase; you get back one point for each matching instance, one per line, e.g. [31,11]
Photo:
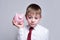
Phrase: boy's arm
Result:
[20,29]
[46,37]
[21,34]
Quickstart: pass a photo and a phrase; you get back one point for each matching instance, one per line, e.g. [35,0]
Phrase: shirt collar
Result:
[35,28]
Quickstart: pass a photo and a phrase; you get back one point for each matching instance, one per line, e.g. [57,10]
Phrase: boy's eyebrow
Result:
[33,15]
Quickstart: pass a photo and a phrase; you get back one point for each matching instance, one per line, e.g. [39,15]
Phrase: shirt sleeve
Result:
[21,34]
[46,37]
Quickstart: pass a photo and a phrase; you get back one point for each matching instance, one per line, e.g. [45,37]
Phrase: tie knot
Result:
[31,28]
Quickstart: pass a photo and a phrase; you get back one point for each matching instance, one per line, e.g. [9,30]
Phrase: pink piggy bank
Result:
[19,18]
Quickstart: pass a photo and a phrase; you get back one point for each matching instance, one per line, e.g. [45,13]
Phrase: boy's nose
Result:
[33,20]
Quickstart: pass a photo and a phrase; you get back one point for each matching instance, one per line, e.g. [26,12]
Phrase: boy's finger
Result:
[13,22]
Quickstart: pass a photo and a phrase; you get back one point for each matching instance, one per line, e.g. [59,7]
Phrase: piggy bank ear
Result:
[17,14]
[20,15]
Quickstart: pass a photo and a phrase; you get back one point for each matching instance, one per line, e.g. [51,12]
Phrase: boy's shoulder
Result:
[42,28]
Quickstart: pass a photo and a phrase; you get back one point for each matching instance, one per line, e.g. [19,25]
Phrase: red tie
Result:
[29,34]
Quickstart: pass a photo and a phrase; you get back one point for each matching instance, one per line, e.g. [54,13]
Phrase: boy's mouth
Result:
[32,24]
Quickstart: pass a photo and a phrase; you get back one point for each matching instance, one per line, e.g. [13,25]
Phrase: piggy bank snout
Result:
[19,18]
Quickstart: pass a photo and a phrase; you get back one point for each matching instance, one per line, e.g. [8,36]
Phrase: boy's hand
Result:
[17,25]
[18,21]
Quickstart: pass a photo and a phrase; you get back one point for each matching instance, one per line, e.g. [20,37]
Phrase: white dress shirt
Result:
[39,33]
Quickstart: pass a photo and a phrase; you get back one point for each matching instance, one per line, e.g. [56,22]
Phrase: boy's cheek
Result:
[28,21]
[37,21]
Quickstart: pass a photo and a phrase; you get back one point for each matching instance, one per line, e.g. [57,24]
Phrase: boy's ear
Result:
[40,16]
[25,17]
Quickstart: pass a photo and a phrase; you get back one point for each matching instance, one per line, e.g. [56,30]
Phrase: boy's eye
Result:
[36,18]
[30,17]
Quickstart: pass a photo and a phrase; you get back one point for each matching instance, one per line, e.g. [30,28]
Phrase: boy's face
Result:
[33,19]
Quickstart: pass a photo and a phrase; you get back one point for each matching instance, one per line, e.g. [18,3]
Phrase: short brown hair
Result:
[34,7]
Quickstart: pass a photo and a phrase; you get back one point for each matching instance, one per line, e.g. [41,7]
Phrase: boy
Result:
[33,31]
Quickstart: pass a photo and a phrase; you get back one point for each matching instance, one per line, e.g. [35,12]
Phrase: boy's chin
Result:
[32,25]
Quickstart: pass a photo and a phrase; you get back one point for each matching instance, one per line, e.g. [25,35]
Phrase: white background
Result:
[50,17]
